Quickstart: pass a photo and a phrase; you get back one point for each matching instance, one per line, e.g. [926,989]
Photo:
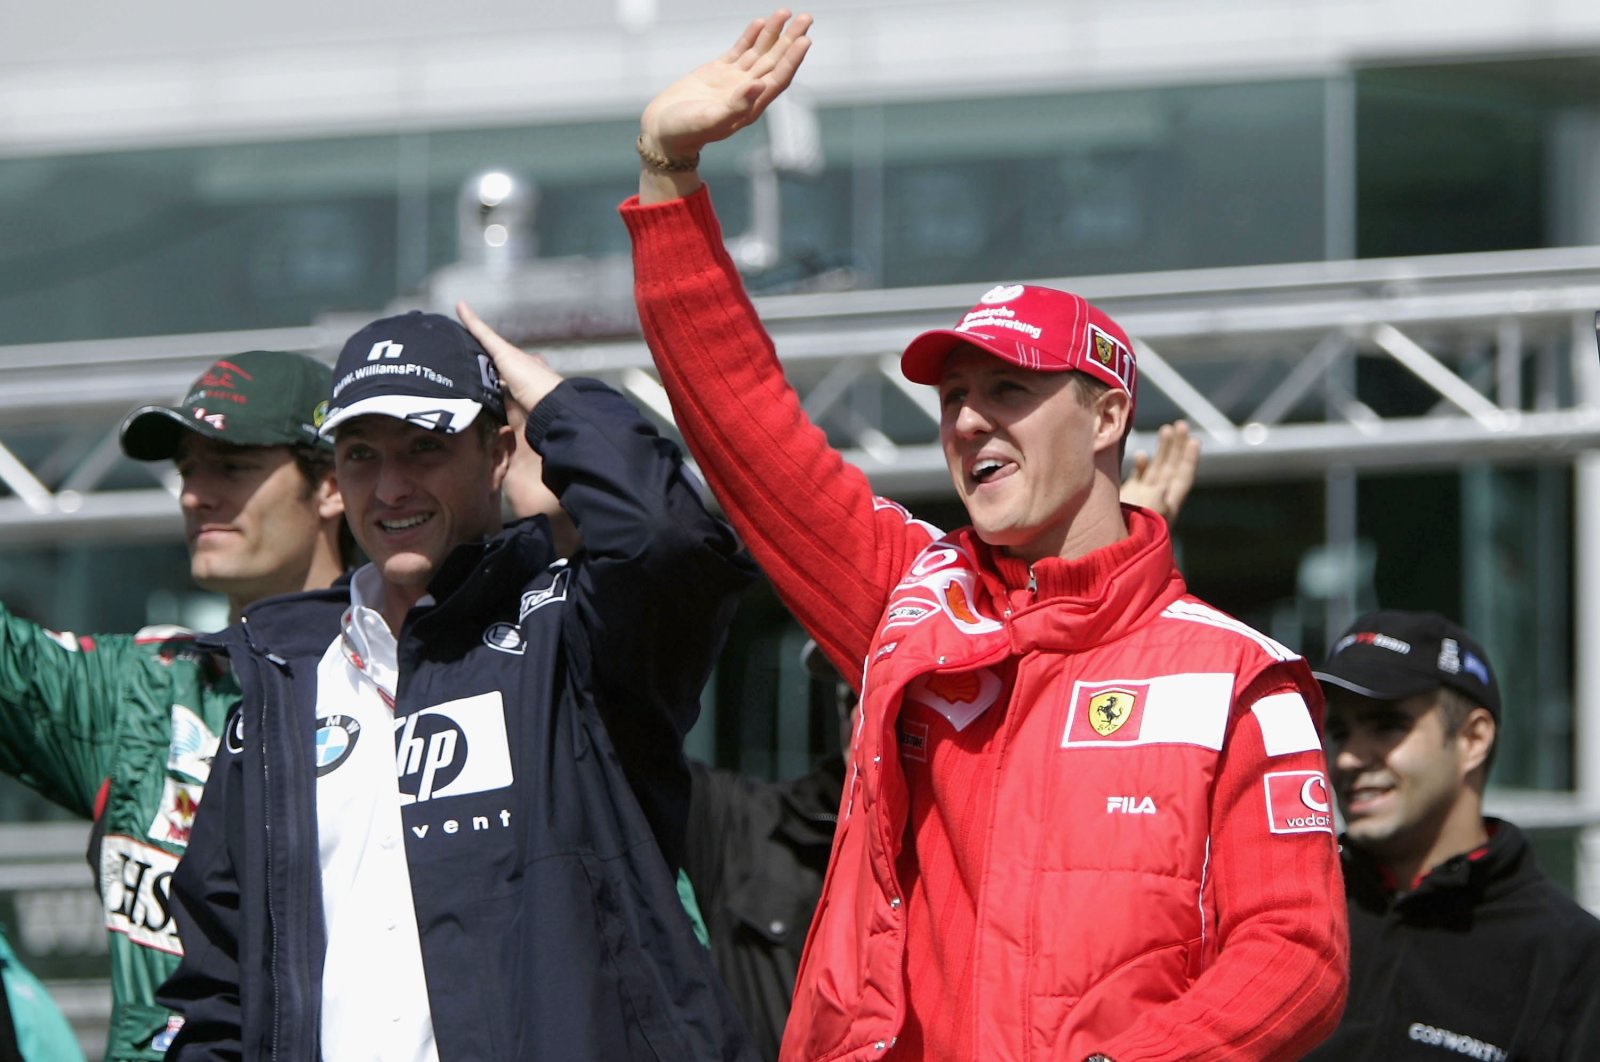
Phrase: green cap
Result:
[258,398]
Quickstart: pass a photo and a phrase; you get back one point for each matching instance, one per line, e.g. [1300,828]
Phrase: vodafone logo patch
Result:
[1298,802]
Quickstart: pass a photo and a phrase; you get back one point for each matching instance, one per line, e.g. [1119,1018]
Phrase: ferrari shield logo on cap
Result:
[1109,710]
[1105,348]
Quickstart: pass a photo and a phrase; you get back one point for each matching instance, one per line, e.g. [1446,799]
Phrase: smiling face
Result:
[253,525]
[1029,456]
[1401,777]
[412,495]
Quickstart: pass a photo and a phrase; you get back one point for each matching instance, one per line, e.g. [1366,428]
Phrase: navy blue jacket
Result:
[549,920]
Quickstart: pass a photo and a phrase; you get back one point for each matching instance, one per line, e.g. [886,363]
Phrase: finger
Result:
[779,79]
[1181,473]
[1163,444]
[493,343]
[794,33]
[745,41]
[784,63]
[516,415]
[1178,444]
[771,29]
[480,331]
[1188,463]
[1169,445]
[747,102]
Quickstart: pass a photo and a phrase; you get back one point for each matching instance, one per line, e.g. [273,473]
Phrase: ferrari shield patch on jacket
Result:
[1188,709]
[1109,710]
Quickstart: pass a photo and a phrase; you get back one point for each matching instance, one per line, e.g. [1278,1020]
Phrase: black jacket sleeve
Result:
[205,898]
[658,581]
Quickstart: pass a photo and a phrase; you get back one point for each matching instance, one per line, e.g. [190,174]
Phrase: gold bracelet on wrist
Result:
[657,161]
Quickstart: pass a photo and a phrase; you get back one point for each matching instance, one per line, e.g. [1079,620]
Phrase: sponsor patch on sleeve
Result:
[175,815]
[135,884]
[193,745]
[1297,802]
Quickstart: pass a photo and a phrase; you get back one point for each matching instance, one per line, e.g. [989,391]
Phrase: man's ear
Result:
[330,503]
[1113,409]
[502,445]
[1475,738]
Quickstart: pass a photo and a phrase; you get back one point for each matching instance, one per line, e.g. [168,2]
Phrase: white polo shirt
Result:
[374,990]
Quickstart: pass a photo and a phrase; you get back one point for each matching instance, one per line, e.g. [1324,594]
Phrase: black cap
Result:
[1390,655]
[258,398]
[423,368]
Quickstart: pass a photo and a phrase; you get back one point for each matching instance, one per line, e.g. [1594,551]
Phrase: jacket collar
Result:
[1090,600]
[1459,880]
[294,625]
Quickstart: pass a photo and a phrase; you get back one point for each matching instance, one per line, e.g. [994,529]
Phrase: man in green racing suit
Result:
[121,728]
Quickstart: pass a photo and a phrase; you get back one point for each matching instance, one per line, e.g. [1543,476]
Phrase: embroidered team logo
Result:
[1110,353]
[960,697]
[1105,351]
[1189,708]
[534,600]
[955,599]
[175,814]
[505,637]
[913,740]
[193,746]
[336,740]
[236,733]
[907,611]
[1108,711]
[135,886]
[453,749]
[1000,293]
[1297,802]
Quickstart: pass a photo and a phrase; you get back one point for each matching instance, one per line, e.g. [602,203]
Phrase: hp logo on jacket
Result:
[453,749]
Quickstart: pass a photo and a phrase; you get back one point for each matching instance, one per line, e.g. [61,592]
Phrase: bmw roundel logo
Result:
[506,637]
[336,739]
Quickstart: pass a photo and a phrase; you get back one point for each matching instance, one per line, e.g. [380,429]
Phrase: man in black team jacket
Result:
[498,883]
[1460,947]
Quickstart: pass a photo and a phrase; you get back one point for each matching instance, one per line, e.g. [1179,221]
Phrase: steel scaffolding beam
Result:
[1500,346]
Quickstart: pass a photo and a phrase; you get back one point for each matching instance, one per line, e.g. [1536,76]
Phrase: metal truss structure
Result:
[1492,358]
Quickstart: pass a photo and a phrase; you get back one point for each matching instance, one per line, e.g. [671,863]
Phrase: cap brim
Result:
[447,415]
[1378,691]
[153,433]
[923,360]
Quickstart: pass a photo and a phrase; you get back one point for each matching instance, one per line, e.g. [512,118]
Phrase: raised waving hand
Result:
[716,100]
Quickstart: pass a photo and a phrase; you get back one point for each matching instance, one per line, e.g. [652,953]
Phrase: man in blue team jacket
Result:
[497,882]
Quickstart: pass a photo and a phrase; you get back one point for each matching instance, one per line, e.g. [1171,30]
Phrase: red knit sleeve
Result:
[1277,984]
[832,550]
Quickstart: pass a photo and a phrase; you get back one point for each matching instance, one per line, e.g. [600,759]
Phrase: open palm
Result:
[723,96]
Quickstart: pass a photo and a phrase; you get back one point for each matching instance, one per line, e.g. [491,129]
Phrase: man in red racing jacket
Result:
[1088,816]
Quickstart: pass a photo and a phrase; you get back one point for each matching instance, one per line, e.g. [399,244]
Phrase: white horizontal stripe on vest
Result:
[1286,724]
